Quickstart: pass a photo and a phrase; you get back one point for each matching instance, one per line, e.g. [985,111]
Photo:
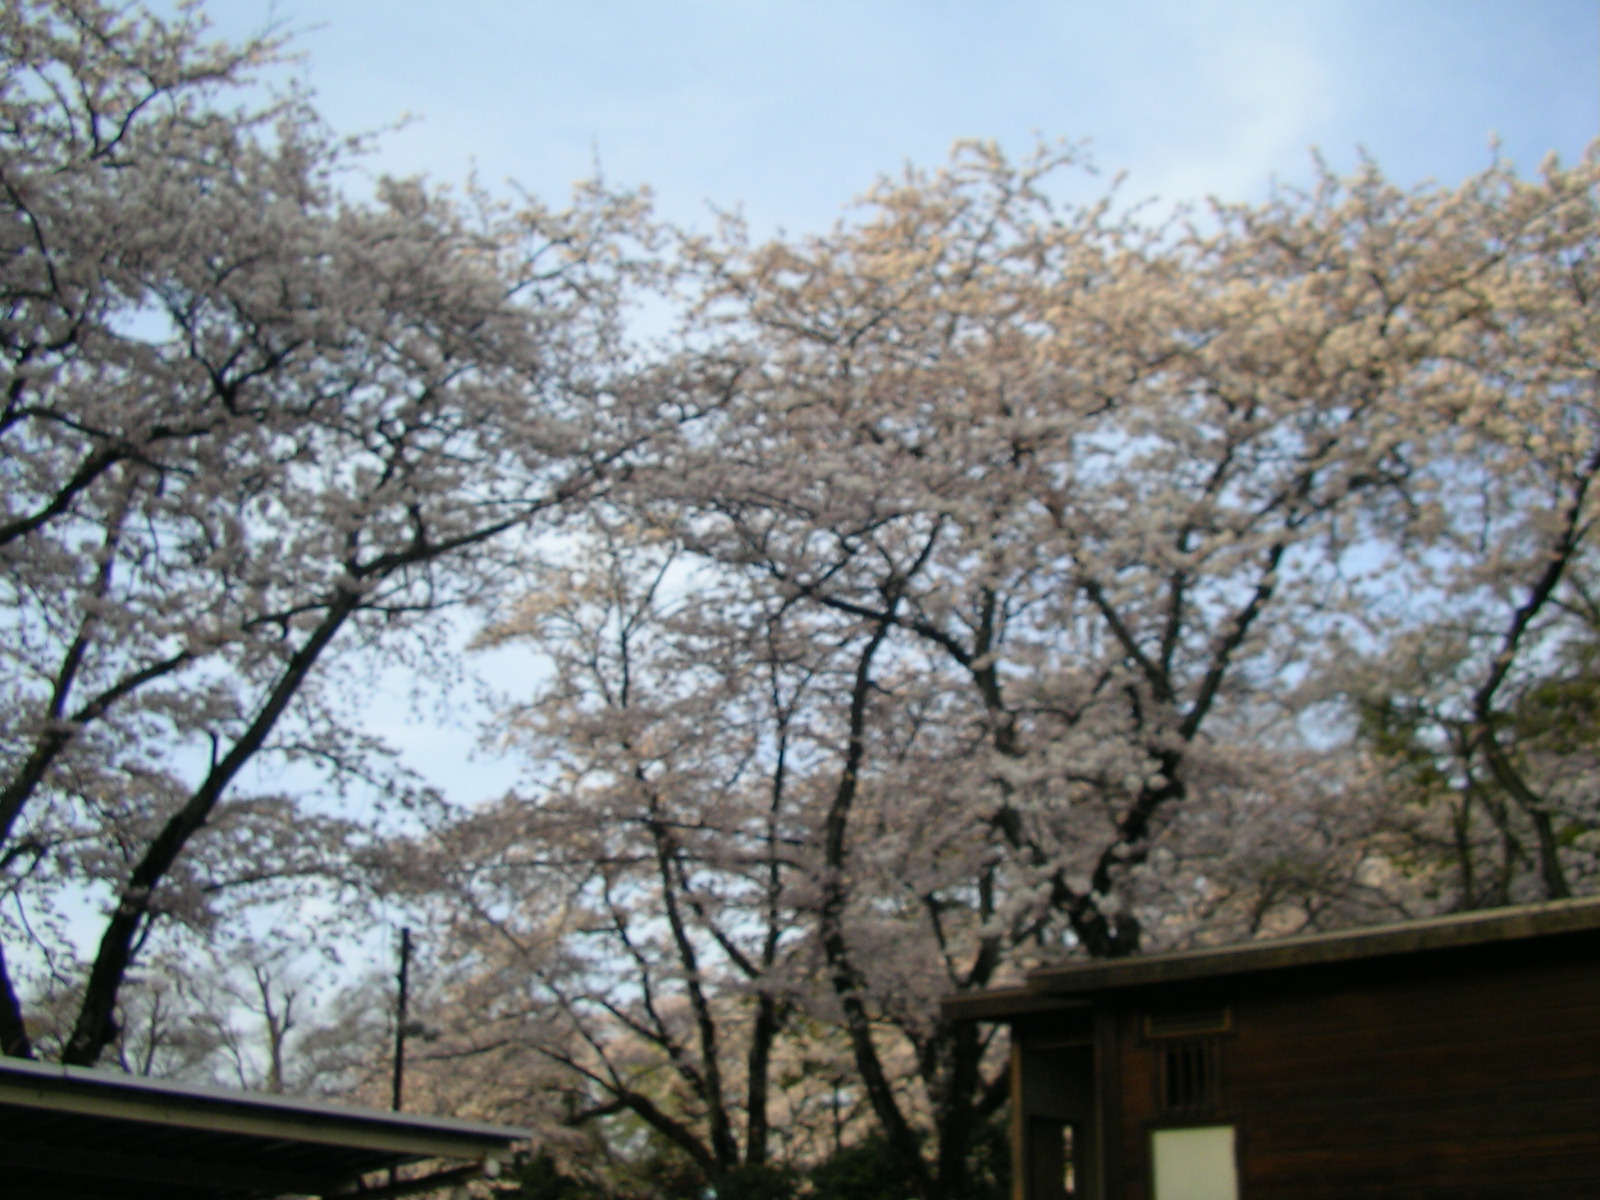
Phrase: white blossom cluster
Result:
[248,425]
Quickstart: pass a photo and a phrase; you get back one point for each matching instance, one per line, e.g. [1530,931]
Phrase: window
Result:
[1053,1159]
[1190,1076]
[1187,1045]
[1194,1164]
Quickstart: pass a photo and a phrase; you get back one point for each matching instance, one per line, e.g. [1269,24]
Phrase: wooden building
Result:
[1452,1058]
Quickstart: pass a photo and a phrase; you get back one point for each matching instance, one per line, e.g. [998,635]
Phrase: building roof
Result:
[1077,981]
[71,1133]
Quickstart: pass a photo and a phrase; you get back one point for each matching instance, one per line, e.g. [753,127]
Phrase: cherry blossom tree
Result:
[629,917]
[1136,586]
[250,426]
[1034,581]
[1081,503]
[1471,678]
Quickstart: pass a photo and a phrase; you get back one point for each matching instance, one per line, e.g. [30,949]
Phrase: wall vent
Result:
[1191,1077]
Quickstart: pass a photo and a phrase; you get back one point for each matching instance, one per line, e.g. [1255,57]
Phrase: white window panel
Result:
[1195,1163]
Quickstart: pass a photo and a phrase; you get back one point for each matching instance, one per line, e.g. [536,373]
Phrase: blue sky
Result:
[789,108]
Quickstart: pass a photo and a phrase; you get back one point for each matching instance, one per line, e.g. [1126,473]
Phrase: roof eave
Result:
[1457,931]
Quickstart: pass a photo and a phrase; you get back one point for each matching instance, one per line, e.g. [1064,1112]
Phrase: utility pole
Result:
[399,1076]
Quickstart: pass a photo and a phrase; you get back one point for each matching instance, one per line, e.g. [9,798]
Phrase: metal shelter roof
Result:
[71,1133]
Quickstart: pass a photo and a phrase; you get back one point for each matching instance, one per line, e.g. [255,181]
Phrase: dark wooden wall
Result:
[1452,1077]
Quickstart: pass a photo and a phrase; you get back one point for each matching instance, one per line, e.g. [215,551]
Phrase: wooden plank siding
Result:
[1482,1081]
[1452,1059]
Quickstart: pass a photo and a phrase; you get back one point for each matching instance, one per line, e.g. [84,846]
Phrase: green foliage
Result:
[990,1164]
[864,1171]
[1499,783]
[540,1178]
[757,1181]
[1395,732]
[1562,714]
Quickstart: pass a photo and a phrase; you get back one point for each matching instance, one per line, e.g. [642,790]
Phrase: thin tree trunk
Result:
[847,981]
[96,1025]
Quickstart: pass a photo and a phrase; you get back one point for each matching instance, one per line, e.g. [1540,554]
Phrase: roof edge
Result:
[1458,930]
[44,1078]
[1000,1004]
